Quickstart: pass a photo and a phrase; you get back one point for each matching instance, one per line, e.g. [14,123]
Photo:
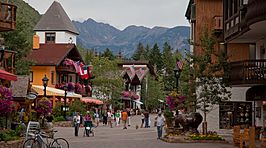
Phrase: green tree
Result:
[208,71]
[168,67]
[18,41]
[108,53]
[147,52]
[155,58]
[77,106]
[151,93]
[139,53]
[107,81]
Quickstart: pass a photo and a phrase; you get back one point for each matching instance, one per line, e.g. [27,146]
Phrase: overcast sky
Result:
[122,13]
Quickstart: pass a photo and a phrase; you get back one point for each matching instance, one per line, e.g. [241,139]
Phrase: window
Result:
[50,37]
[52,77]
[31,76]
[235,113]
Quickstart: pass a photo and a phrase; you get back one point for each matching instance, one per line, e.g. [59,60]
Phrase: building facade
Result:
[219,18]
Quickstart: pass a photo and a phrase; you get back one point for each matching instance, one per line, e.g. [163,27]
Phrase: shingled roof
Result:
[55,19]
[53,54]
[20,87]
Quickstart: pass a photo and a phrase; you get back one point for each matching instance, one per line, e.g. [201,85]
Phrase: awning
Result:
[91,100]
[137,101]
[7,76]
[50,91]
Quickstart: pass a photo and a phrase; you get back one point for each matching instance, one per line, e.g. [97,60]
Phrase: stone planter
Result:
[63,124]
[12,144]
[186,139]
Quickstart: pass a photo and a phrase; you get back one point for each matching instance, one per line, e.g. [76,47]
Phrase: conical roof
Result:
[55,19]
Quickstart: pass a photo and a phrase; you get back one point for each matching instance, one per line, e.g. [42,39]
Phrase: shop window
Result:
[235,113]
[52,77]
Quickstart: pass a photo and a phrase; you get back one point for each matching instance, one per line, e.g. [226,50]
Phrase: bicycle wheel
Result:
[60,143]
[32,143]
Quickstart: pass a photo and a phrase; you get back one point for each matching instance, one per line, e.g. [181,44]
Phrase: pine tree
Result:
[168,67]
[139,53]
[155,58]
[108,53]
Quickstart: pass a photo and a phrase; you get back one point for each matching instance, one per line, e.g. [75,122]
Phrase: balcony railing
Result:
[7,17]
[248,72]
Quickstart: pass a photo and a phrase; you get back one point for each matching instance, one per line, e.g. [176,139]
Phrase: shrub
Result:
[8,135]
[44,106]
[59,118]
[205,137]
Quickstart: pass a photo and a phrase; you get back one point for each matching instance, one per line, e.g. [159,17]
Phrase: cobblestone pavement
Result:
[116,137]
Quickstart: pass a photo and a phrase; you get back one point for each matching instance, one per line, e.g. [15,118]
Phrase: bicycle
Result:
[38,141]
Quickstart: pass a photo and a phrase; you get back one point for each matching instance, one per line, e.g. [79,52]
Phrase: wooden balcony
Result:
[66,69]
[255,11]
[248,72]
[7,17]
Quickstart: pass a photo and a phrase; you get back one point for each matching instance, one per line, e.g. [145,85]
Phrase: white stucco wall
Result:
[41,37]
[64,37]
[60,37]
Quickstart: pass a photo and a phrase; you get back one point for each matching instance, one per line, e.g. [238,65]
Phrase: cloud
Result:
[122,13]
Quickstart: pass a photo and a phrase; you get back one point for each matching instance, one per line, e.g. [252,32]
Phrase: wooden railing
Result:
[248,72]
[7,17]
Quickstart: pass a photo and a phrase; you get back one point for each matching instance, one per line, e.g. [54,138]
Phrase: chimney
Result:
[36,42]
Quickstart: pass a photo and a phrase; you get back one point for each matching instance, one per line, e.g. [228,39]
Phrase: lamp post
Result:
[65,99]
[45,82]
[177,75]
[177,72]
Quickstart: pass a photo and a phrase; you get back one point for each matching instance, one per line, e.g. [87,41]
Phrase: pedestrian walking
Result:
[146,119]
[160,123]
[97,118]
[124,118]
[105,118]
[87,116]
[117,117]
[129,117]
[76,120]
[142,120]
[109,118]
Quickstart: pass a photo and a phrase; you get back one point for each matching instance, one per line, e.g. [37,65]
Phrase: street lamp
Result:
[45,82]
[177,72]
[65,99]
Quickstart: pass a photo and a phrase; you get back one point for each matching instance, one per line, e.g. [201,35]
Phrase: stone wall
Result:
[63,124]
[12,144]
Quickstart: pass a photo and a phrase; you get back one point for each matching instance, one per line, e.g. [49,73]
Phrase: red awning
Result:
[7,76]
[91,100]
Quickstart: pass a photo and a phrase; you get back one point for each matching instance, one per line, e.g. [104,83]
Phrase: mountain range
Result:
[100,36]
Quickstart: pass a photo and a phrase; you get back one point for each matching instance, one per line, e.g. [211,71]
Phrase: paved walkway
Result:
[116,137]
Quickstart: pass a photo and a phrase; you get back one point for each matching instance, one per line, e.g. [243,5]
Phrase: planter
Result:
[186,139]
[63,124]
[12,144]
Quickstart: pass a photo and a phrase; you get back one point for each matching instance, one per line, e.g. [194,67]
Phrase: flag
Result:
[81,68]
[85,72]
[89,72]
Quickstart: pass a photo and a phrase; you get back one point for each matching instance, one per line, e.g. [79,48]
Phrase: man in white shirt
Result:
[160,123]
[76,120]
